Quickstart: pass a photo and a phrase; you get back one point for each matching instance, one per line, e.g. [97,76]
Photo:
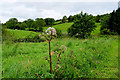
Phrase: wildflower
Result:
[58,65]
[57,44]
[52,53]
[51,31]
[55,68]
[63,47]
[96,62]
[37,74]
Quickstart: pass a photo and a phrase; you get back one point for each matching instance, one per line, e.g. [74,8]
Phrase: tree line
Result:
[38,23]
[83,25]
[29,24]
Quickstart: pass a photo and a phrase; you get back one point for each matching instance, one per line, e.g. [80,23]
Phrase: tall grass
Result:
[90,58]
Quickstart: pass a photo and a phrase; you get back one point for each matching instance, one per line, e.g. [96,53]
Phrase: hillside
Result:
[21,33]
[63,27]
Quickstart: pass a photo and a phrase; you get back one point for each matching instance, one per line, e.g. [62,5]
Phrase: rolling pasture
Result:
[95,57]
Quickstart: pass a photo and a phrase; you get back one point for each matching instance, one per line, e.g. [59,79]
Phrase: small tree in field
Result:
[82,27]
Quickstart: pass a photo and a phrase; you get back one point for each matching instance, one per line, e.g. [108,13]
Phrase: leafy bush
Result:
[82,27]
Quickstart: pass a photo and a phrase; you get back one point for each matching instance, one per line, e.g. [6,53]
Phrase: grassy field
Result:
[95,57]
[62,27]
[21,33]
[27,60]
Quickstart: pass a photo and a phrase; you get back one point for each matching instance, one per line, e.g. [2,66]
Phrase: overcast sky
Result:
[25,9]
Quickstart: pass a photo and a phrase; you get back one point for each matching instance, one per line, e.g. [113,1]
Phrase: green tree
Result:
[29,23]
[64,19]
[39,23]
[111,23]
[105,24]
[70,18]
[97,18]
[82,27]
[11,23]
[49,21]
[114,23]
[22,25]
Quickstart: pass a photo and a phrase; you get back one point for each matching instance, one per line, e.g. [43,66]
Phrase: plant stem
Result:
[50,59]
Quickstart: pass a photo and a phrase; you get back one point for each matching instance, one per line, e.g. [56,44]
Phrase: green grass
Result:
[25,60]
[63,27]
[20,33]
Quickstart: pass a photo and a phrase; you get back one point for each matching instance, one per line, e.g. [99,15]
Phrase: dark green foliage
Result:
[49,21]
[64,19]
[11,23]
[97,18]
[70,18]
[111,23]
[83,26]
[114,22]
[38,24]
[23,26]
[78,16]
[29,23]
[104,22]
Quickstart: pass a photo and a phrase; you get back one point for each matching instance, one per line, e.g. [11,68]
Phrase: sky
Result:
[25,9]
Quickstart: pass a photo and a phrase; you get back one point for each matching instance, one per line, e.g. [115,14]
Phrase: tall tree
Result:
[64,19]
[70,18]
[49,21]
[82,27]
[39,23]
[29,23]
[11,23]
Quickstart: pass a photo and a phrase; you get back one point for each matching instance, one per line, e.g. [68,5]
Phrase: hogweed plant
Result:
[49,34]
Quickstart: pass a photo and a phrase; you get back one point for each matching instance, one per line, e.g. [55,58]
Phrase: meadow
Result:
[94,57]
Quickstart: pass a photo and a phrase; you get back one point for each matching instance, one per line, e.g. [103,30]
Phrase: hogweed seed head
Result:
[51,31]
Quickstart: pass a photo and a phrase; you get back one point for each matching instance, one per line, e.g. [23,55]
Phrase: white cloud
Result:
[68,0]
[26,10]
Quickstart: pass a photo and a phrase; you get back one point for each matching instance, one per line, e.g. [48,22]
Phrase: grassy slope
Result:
[63,27]
[20,33]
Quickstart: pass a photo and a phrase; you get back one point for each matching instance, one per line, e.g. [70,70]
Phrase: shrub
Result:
[82,27]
